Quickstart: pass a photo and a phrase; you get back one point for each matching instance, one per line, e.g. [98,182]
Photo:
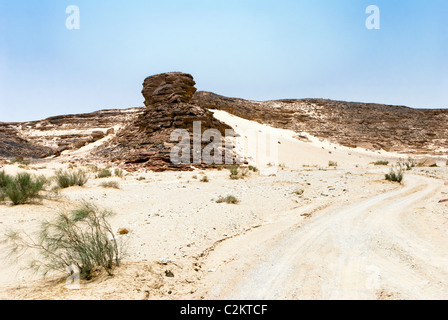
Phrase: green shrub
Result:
[21,188]
[229,200]
[65,179]
[104,173]
[253,168]
[4,179]
[83,238]
[395,175]
[233,170]
[409,164]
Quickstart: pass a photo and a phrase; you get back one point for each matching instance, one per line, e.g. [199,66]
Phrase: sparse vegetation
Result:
[83,238]
[205,179]
[253,168]
[65,179]
[396,174]
[119,172]
[194,177]
[237,172]
[229,200]
[110,185]
[381,163]
[21,188]
[141,178]
[332,164]
[408,164]
[233,172]
[104,173]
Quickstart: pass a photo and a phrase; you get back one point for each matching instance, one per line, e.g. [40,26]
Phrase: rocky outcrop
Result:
[166,88]
[52,136]
[12,145]
[145,142]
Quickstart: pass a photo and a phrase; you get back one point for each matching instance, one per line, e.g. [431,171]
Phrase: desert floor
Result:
[350,235]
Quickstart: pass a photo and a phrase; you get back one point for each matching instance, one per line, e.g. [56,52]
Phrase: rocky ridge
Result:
[365,125]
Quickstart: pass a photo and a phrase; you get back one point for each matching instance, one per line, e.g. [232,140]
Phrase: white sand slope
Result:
[256,140]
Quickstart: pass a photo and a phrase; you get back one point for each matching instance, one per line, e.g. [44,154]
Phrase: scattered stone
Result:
[123,231]
[169,274]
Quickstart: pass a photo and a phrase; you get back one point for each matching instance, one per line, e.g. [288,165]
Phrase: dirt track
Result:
[368,249]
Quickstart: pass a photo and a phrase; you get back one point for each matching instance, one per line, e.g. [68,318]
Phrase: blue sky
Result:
[252,49]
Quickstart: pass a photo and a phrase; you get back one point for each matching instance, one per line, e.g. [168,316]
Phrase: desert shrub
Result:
[229,200]
[65,179]
[237,173]
[118,172]
[205,179]
[253,168]
[21,188]
[299,192]
[83,238]
[332,164]
[141,178]
[4,179]
[395,174]
[110,184]
[194,177]
[408,164]
[234,176]
[381,163]
[233,170]
[104,173]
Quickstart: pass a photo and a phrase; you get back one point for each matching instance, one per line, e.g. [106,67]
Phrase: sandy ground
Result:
[351,235]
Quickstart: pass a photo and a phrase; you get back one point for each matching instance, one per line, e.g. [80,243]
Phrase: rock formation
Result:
[146,141]
[52,136]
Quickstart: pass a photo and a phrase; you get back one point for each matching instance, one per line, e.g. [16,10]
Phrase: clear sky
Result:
[252,49]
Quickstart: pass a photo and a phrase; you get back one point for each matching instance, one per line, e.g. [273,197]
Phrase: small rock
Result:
[169,274]
[123,231]
[427,162]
